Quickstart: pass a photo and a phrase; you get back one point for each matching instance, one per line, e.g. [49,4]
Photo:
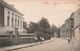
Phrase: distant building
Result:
[72,34]
[77,24]
[72,26]
[62,31]
[67,28]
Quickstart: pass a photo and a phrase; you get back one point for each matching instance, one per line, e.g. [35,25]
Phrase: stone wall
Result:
[15,41]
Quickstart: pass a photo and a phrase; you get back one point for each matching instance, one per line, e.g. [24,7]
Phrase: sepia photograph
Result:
[39,25]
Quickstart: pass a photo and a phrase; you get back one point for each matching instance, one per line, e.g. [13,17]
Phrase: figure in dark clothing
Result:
[38,37]
[69,40]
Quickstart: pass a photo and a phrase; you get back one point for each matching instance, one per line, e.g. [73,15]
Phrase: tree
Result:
[53,29]
[59,32]
[44,23]
[24,25]
[44,28]
[33,27]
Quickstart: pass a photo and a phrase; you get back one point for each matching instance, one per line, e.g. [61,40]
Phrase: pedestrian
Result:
[69,40]
[36,39]
[40,40]
[43,40]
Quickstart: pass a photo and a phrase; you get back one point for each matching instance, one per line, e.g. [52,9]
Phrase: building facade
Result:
[10,17]
[62,31]
[72,26]
[66,29]
[77,24]
[11,21]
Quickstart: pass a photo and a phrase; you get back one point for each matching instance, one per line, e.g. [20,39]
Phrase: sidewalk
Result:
[23,46]
[76,46]
[73,42]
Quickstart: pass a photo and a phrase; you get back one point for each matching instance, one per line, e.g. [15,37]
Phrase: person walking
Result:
[43,40]
[36,40]
[69,40]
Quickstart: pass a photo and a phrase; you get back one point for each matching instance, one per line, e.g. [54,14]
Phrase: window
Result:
[21,18]
[8,18]
[16,16]
[71,19]
[8,13]
[72,26]
[12,14]
[12,22]
[18,22]
[21,32]
[15,22]
[8,21]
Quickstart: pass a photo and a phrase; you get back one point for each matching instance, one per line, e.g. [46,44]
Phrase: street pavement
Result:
[53,45]
[77,47]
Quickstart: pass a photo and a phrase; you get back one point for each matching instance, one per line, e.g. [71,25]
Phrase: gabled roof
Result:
[10,7]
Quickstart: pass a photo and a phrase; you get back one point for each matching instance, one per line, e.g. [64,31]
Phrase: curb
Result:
[76,43]
[31,45]
[21,47]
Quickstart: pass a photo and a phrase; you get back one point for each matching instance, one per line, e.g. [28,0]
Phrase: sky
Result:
[56,11]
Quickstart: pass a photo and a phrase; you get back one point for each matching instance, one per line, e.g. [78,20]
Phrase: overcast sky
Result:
[56,11]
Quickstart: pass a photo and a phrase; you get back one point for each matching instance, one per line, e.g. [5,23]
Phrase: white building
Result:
[10,18]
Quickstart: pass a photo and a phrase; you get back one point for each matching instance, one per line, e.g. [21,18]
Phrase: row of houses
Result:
[11,25]
[71,27]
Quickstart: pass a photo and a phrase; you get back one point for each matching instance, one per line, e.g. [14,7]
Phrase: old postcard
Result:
[39,25]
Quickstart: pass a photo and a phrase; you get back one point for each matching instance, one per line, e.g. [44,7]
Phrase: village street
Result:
[56,45]
[56,24]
